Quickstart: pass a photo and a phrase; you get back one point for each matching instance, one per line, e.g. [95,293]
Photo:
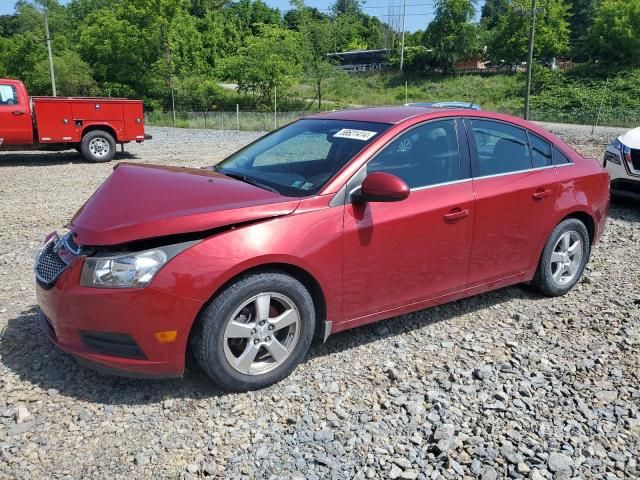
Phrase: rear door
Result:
[515,185]
[400,253]
[15,119]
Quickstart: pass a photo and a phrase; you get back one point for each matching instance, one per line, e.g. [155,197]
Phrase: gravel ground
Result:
[505,384]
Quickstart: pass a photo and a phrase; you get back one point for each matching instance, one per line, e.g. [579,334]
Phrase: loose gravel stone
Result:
[465,390]
[559,462]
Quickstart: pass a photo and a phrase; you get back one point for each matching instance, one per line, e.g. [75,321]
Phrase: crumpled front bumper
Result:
[68,312]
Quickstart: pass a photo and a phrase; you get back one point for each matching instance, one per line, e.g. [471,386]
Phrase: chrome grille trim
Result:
[49,263]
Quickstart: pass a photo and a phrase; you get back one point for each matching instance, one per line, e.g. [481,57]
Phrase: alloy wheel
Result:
[566,258]
[262,333]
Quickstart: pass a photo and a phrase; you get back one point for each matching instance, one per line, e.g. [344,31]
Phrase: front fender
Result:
[311,241]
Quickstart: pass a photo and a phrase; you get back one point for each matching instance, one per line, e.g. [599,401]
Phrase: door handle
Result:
[17,113]
[456,214]
[541,194]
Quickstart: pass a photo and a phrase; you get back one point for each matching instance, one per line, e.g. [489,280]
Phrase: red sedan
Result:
[332,222]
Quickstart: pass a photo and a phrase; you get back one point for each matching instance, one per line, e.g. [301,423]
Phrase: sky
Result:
[419,12]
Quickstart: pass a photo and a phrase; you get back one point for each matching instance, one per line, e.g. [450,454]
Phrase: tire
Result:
[554,277]
[224,339]
[98,146]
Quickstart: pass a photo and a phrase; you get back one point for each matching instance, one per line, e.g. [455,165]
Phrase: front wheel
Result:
[564,258]
[255,332]
[98,146]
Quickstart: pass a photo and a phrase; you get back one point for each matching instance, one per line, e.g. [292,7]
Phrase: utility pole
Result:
[521,12]
[48,40]
[169,60]
[404,14]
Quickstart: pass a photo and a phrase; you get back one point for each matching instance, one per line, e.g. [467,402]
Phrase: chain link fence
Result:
[238,120]
[267,121]
[607,116]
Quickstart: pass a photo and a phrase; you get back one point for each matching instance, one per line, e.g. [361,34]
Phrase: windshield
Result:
[299,159]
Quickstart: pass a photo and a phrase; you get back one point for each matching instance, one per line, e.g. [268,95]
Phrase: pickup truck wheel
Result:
[98,146]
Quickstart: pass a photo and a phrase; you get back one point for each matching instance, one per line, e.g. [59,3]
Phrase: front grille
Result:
[49,265]
[635,159]
[114,344]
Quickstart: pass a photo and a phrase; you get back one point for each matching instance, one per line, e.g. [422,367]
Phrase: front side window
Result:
[299,159]
[501,148]
[8,95]
[540,151]
[424,156]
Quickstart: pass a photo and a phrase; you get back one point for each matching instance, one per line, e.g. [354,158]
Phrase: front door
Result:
[515,184]
[15,121]
[400,253]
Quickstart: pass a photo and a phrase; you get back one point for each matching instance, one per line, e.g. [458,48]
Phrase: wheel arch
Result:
[100,127]
[303,276]
[585,218]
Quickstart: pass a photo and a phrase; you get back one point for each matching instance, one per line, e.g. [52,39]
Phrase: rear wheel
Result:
[255,332]
[564,258]
[98,146]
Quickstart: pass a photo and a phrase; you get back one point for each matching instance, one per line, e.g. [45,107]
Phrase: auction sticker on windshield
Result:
[354,134]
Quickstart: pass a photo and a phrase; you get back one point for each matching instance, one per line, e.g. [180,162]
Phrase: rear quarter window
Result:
[560,158]
[540,151]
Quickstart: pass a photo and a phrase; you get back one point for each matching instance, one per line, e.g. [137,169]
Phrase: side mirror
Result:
[382,187]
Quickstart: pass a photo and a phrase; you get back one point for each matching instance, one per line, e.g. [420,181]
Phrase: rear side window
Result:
[560,158]
[423,156]
[540,151]
[8,95]
[501,148]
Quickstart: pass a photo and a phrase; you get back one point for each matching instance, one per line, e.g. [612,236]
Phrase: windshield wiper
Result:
[250,181]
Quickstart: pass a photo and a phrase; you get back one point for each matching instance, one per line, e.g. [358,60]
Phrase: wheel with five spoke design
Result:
[563,259]
[255,332]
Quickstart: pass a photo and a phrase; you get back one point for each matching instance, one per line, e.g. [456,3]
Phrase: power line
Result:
[408,5]
[386,6]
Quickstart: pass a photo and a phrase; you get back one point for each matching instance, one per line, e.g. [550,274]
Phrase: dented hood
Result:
[145,201]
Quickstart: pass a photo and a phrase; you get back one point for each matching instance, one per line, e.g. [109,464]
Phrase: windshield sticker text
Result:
[363,135]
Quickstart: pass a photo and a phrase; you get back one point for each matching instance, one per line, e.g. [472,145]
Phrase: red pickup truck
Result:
[92,126]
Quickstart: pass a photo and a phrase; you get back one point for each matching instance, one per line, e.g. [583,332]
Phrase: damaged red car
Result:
[332,222]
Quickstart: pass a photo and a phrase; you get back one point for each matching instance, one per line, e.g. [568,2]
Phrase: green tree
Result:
[348,33]
[292,18]
[250,15]
[73,76]
[118,51]
[614,36]
[347,7]
[492,10]
[452,36]
[220,37]
[582,15]
[508,42]
[317,40]
[197,93]
[268,60]
[186,46]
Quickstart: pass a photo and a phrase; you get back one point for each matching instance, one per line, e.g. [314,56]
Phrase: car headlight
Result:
[617,144]
[128,270]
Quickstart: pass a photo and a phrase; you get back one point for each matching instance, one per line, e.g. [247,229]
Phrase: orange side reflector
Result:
[167,336]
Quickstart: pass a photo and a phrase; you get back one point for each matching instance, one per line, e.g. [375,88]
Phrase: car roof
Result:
[393,115]
[448,104]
